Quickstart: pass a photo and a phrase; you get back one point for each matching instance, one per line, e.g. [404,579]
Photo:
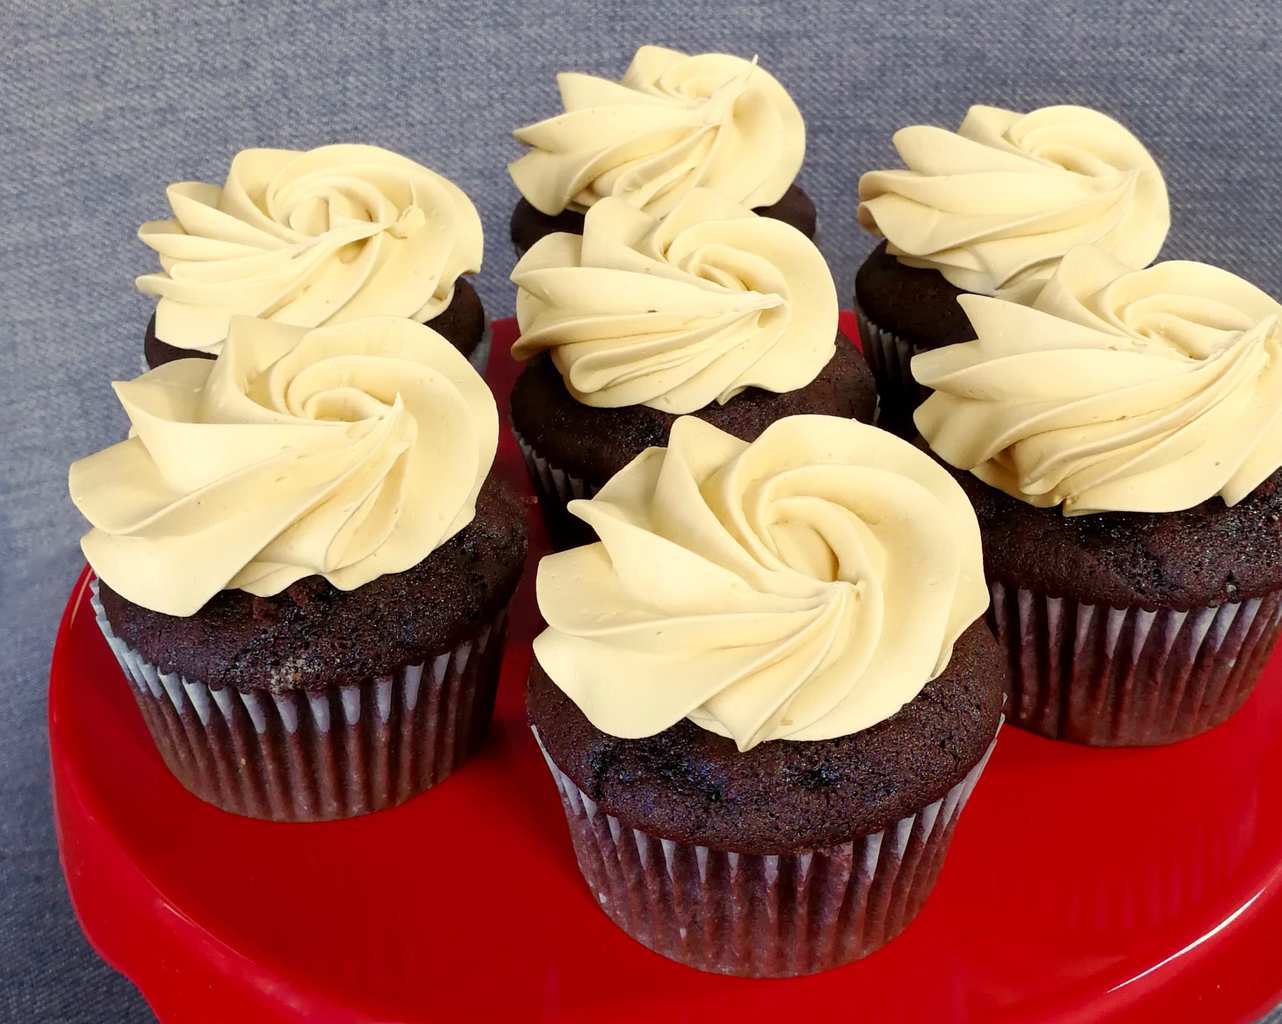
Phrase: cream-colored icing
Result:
[995,205]
[349,451]
[309,238]
[680,311]
[675,122]
[802,587]
[1117,390]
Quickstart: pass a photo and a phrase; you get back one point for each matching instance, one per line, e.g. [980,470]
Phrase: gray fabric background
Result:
[102,105]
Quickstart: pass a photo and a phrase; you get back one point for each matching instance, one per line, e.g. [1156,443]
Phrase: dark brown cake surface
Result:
[461,323]
[594,444]
[312,635]
[1201,556]
[794,207]
[693,786]
[918,305]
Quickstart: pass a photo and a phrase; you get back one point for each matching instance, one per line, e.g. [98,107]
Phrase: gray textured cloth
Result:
[103,105]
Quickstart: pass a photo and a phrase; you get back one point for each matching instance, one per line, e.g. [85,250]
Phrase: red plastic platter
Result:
[1100,885]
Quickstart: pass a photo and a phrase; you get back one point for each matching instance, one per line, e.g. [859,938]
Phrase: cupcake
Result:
[303,566]
[991,209]
[709,310]
[674,123]
[1122,440]
[766,693]
[310,239]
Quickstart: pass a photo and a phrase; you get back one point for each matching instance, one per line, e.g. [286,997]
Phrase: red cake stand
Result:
[1082,885]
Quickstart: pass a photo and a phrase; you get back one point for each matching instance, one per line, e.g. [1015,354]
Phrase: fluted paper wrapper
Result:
[761,915]
[1128,676]
[325,754]
[555,488]
[890,359]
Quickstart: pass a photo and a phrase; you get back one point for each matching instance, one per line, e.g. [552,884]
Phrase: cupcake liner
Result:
[761,915]
[890,359]
[319,755]
[555,488]
[1128,676]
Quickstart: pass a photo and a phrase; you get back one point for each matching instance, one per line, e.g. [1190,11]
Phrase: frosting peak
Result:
[309,238]
[803,587]
[680,311]
[995,205]
[348,451]
[675,122]
[1117,390]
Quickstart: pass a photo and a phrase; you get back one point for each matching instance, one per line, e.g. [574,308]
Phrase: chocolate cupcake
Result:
[764,695]
[675,122]
[302,565]
[991,209]
[1122,433]
[710,311]
[310,239]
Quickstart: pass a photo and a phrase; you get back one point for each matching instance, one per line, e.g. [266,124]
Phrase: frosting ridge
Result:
[680,311]
[804,586]
[1117,390]
[675,122]
[348,451]
[995,205]
[308,238]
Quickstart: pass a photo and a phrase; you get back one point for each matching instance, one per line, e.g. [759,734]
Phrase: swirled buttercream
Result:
[1117,390]
[309,238]
[995,205]
[348,451]
[680,311]
[804,586]
[675,122]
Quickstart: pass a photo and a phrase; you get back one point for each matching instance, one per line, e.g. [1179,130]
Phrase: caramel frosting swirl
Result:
[995,205]
[348,451]
[309,238]
[1117,390]
[675,122]
[801,587]
[680,311]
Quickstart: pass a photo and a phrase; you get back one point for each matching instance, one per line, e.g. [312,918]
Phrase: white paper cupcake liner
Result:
[1128,676]
[761,915]
[319,755]
[555,488]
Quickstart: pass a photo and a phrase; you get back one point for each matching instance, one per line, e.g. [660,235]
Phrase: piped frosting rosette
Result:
[803,587]
[348,451]
[996,204]
[1117,390]
[309,238]
[680,311]
[674,123]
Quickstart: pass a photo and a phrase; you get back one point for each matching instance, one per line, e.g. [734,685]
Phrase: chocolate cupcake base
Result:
[761,915]
[572,449]
[529,224]
[555,489]
[318,755]
[1108,676]
[462,323]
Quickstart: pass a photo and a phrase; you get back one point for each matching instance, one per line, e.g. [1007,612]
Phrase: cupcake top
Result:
[679,311]
[675,122]
[347,451]
[803,587]
[308,238]
[1116,390]
[995,205]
